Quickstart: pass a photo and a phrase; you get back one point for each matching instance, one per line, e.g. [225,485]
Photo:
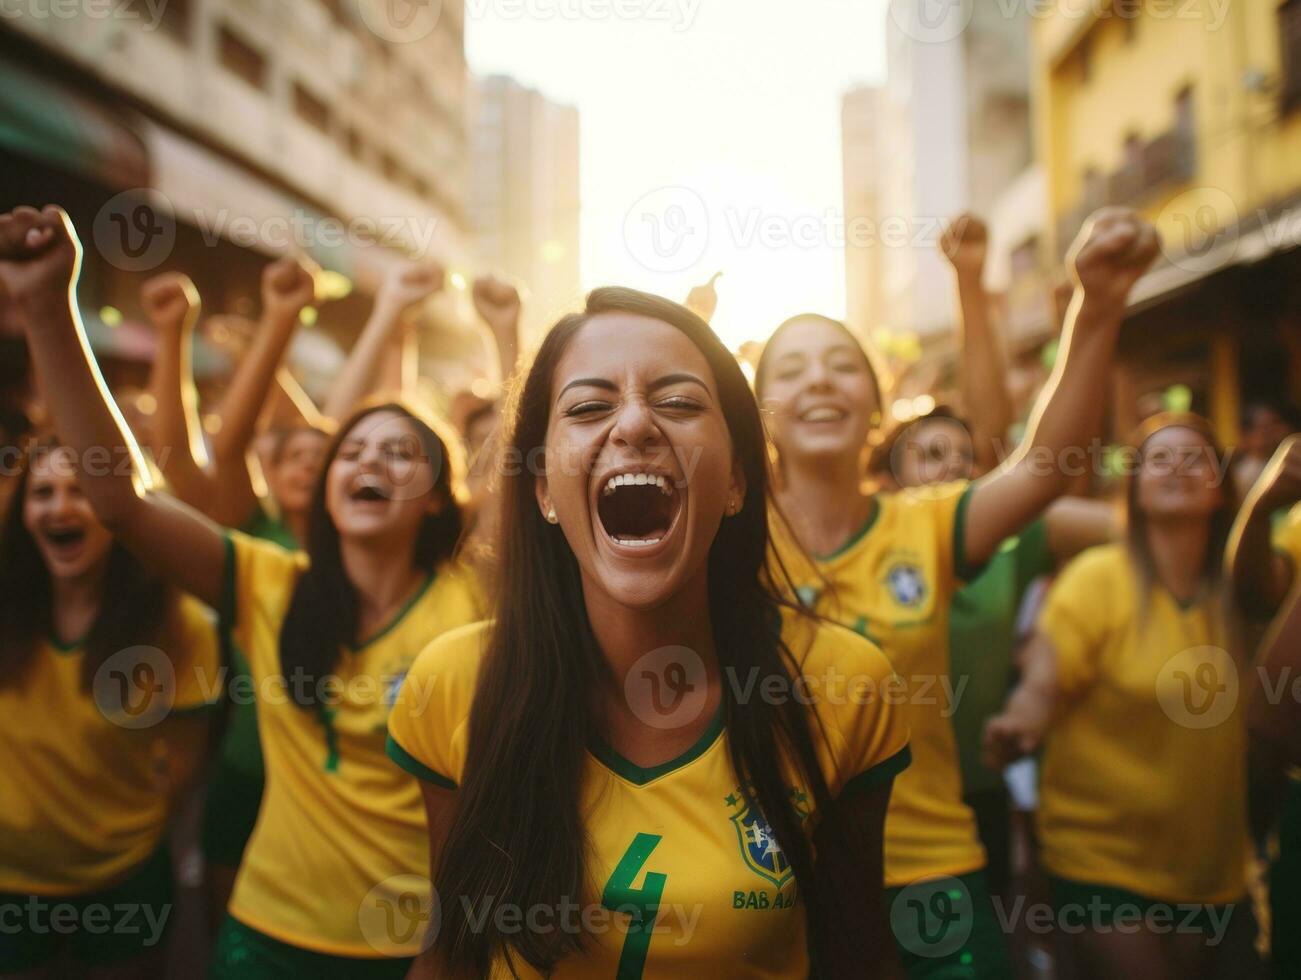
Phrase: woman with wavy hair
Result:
[328,633]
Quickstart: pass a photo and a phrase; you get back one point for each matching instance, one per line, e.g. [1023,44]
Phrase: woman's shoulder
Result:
[821,647]
[452,658]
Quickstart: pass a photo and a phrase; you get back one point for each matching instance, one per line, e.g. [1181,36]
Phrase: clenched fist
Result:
[40,256]
[965,243]
[288,285]
[406,286]
[170,300]
[498,302]
[1112,252]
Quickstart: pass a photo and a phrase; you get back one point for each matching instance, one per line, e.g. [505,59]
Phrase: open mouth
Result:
[369,492]
[65,541]
[637,510]
[823,413]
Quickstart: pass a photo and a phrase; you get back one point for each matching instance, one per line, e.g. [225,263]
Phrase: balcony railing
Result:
[1168,160]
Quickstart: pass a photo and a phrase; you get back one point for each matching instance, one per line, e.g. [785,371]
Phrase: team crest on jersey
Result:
[808,596]
[906,583]
[760,849]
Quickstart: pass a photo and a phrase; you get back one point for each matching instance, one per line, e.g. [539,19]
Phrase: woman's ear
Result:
[736,490]
[544,500]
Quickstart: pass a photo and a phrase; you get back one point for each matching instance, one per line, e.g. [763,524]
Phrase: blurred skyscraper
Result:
[524,196]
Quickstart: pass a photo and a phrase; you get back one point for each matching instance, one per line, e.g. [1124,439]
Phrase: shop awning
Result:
[49,121]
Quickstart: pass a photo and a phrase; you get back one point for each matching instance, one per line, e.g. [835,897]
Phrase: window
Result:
[310,109]
[173,17]
[355,145]
[240,58]
[1289,32]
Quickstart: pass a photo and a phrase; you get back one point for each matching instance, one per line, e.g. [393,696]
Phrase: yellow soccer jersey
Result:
[1143,784]
[81,774]
[894,583]
[679,836]
[337,822]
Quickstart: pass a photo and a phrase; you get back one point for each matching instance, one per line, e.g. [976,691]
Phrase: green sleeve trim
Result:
[879,774]
[414,766]
[1033,555]
[961,569]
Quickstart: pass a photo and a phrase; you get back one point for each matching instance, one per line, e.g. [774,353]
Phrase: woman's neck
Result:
[76,603]
[384,580]
[824,503]
[296,521]
[1178,549]
[626,636]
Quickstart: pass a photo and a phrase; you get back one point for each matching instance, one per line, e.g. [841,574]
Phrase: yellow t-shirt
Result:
[894,583]
[337,822]
[679,835]
[82,800]
[1143,784]
[1287,536]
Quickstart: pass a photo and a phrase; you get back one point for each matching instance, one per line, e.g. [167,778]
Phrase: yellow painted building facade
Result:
[1190,111]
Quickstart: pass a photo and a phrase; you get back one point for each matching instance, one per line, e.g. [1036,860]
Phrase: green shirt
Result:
[982,638]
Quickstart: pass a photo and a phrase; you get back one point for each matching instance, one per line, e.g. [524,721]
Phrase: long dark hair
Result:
[323,614]
[136,608]
[517,837]
[1221,521]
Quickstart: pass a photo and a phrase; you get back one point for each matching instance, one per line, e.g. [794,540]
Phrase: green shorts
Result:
[1084,905]
[243,953]
[946,929]
[229,814]
[100,928]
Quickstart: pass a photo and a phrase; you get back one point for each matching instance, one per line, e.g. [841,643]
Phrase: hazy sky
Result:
[710,137]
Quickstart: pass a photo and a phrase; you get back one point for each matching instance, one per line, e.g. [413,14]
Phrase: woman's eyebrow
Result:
[603,383]
[674,379]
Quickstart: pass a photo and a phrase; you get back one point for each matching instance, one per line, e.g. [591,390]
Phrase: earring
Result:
[551,516]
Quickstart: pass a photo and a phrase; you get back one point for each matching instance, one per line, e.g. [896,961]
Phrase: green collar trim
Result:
[400,615]
[640,775]
[858,535]
[67,648]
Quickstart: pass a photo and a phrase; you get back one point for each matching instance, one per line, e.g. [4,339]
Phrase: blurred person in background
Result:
[93,761]
[888,564]
[328,634]
[1143,799]
[1265,424]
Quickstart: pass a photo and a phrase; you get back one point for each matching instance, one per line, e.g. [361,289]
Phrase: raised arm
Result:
[1111,254]
[403,289]
[986,403]
[498,303]
[40,259]
[287,287]
[1261,576]
[171,303]
[703,299]
[1273,710]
